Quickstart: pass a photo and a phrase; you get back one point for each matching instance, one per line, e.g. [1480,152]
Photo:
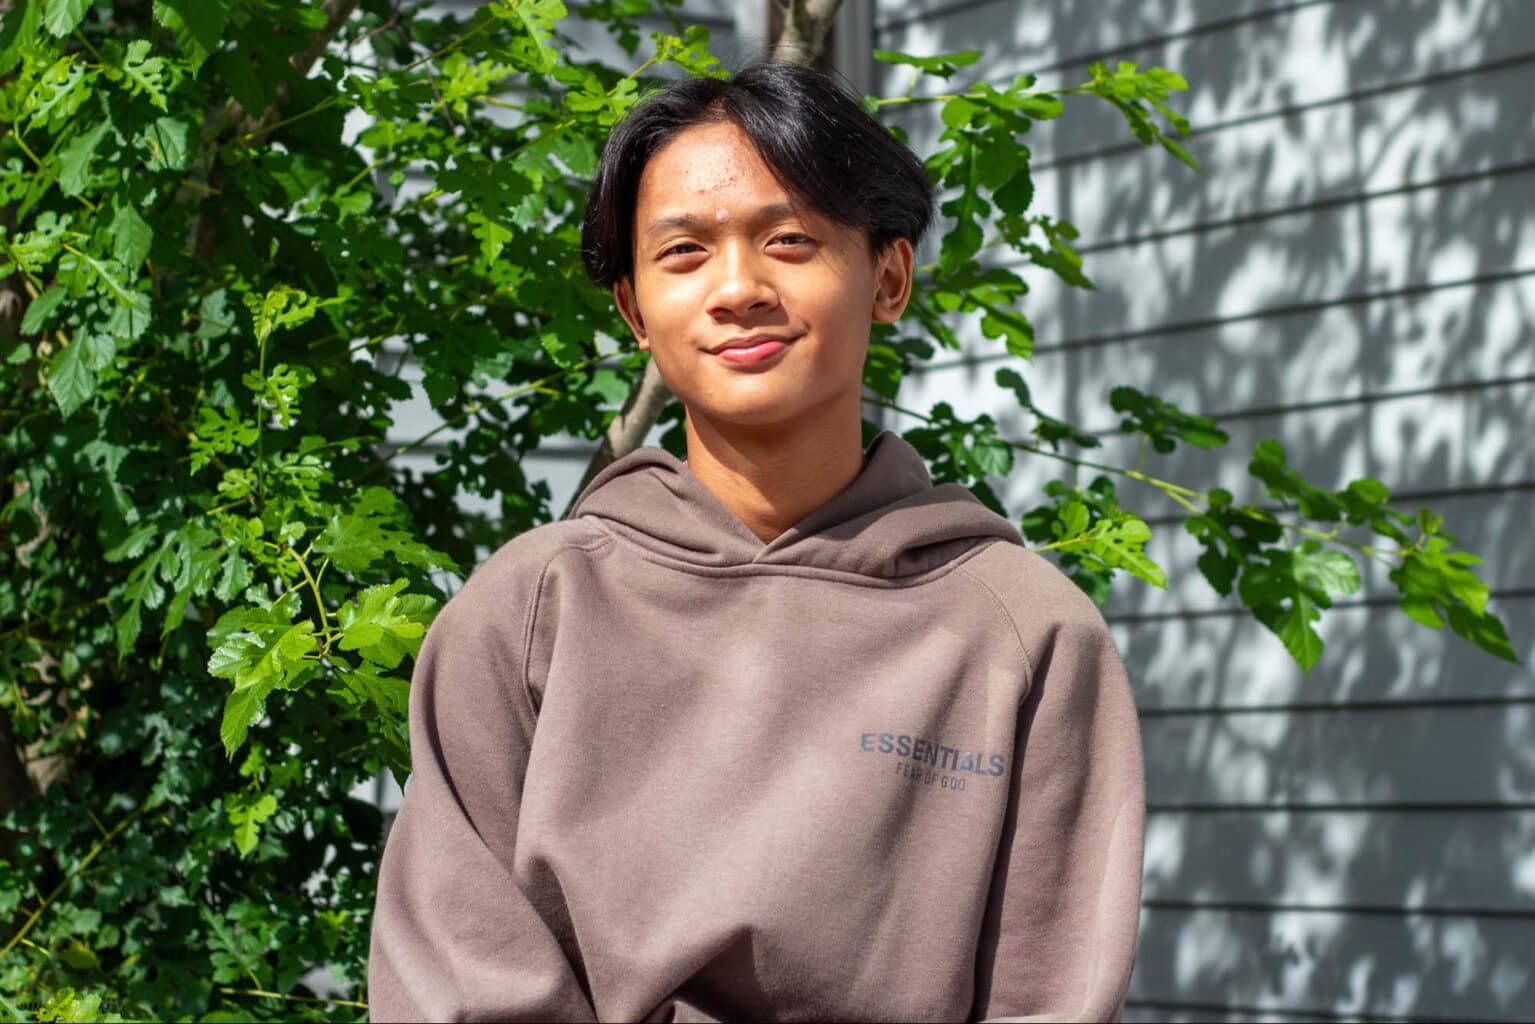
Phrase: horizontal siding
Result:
[1398,245]
[1164,20]
[1224,661]
[1293,57]
[1272,166]
[1463,862]
[1432,442]
[1428,338]
[1357,966]
[1415,757]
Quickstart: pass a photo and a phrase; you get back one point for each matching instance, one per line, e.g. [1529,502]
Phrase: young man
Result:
[781,731]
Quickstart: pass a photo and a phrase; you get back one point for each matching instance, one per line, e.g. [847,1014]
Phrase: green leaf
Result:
[73,370]
[251,658]
[943,65]
[384,626]
[131,310]
[493,237]
[131,316]
[59,93]
[281,306]
[1120,542]
[264,656]
[1294,629]
[1073,522]
[1331,571]
[1011,379]
[537,18]
[1486,631]
[242,709]
[564,351]
[197,25]
[131,237]
[1421,609]
[167,139]
[75,158]
[1040,106]
[1014,329]
[247,812]
[1269,465]
[1219,570]
[1288,592]
[279,390]
[61,16]
[143,74]
[18,32]
[41,309]
[372,529]
[219,432]
[1164,423]
[959,112]
[389,694]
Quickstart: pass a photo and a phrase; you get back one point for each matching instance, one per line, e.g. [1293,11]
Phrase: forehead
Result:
[704,168]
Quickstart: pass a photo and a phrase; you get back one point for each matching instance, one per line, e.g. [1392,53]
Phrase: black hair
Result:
[812,132]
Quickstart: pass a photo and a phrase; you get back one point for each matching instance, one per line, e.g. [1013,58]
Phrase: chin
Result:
[751,417]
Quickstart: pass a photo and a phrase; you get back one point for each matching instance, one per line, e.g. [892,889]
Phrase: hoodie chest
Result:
[726,668]
[738,757]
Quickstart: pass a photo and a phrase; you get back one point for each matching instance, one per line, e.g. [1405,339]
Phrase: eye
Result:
[794,239]
[680,249]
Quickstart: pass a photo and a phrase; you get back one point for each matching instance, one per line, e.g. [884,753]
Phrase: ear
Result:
[629,309]
[892,281]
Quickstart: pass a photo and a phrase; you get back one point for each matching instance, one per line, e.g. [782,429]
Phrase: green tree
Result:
[217,574]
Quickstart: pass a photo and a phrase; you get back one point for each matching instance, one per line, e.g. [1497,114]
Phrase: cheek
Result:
[664,301]
[845,303]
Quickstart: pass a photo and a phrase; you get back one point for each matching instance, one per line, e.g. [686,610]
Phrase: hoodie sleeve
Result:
[1059,935]
[455,935]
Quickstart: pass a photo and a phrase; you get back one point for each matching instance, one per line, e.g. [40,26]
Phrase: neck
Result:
[771,478]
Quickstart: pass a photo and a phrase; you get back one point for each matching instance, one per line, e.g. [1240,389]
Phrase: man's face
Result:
[722,252]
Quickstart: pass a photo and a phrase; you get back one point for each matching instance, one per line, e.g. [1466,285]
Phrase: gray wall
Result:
[1354,274]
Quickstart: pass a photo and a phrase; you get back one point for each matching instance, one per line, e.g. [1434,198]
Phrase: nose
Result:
[743,286]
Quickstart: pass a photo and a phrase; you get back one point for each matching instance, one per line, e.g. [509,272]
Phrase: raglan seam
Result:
[532,616]
[1023,650]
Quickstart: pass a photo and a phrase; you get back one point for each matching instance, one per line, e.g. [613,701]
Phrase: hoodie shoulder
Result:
[1025,578]
[522,559]
[1045,606]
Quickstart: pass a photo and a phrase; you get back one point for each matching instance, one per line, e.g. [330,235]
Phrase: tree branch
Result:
[804,34]
[628,429]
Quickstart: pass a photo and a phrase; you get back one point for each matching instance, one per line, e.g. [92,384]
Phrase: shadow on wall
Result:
[1354,274]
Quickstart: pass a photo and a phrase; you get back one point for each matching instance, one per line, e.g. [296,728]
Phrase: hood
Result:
[890,522]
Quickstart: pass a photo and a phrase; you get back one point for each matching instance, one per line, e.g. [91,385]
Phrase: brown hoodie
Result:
[885,767]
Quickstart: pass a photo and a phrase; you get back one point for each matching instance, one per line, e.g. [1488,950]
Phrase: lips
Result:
[761,352]
[751,350]
[751,341]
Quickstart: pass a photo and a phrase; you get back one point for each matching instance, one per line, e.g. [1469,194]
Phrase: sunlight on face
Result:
[722,252]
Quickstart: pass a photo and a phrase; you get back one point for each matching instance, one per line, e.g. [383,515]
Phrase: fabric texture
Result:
[886,767]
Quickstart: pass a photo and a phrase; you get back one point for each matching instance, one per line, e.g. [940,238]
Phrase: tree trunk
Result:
[806,25]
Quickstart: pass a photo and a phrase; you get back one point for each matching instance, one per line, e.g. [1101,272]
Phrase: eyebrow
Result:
[692,222]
